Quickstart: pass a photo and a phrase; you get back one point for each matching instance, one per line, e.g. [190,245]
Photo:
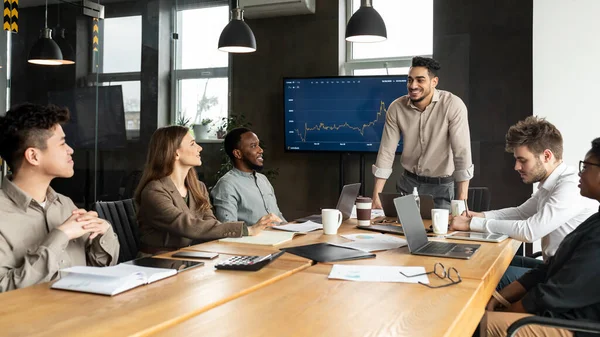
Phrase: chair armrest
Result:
[572,325]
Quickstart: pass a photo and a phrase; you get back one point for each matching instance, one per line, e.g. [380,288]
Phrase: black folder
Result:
[324,252]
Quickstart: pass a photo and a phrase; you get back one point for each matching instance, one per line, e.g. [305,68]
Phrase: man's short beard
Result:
[540,172]
[253,166]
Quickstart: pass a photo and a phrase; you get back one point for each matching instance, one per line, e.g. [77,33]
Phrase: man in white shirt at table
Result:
[552,212]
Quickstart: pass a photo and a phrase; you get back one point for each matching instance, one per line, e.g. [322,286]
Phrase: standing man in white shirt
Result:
[552,212]
[437,141]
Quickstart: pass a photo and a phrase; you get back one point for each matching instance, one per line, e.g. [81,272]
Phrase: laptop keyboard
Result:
[434,247]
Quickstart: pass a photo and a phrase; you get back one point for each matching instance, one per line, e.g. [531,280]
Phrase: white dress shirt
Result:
[551,213]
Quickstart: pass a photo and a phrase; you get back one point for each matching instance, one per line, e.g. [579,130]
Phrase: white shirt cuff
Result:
[477,224]
[382,173]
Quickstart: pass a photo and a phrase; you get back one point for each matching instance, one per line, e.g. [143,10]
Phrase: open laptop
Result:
[389,224]
[387,203]
[414,231]
[344,205]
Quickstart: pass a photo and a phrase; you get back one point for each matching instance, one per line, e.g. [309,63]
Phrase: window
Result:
[131,103]
[122,45]
[410,33]
[123,36]
[201,70]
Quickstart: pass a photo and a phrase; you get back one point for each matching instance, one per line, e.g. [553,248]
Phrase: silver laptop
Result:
[414,231]
[344,205]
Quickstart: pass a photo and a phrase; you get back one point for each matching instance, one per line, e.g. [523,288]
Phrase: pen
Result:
[467,208]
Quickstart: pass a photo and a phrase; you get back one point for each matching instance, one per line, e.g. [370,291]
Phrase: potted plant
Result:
[201,130]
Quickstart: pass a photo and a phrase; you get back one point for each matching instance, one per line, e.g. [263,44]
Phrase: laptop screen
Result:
[347,199]
[387,203]
[410,218]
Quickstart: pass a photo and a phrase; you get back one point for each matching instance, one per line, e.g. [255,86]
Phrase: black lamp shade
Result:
[45,51]
[65,47]
[237,37]
[366,25]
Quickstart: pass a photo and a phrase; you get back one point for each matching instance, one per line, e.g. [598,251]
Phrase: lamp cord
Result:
[46,16]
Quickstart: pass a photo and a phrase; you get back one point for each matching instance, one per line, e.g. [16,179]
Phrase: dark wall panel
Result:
[485,48]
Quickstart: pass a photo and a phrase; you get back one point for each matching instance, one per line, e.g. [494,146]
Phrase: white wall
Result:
[566,71]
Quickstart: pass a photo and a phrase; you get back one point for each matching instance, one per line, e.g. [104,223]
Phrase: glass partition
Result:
[143,66]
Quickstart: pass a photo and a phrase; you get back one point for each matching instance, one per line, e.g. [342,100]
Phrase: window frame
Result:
[178,75]
[100,78]
[352,64]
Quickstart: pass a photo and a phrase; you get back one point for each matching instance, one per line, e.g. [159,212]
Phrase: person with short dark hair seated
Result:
[566,286]
[243,193]
[43,231]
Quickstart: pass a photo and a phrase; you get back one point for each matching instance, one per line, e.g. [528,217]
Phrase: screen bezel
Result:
[286,78]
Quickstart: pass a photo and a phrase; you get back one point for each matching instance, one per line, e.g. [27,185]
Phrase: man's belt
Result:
[430,180]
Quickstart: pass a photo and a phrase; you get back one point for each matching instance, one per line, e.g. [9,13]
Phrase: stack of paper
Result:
[264,238]
[372,242]
[377,273]
[304,227]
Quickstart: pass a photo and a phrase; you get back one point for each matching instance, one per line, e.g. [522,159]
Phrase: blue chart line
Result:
[361,129]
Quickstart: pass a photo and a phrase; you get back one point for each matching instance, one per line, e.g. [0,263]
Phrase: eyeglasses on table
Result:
[440,271]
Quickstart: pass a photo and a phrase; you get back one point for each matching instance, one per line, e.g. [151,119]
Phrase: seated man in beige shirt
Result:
[42,231]
[437,142]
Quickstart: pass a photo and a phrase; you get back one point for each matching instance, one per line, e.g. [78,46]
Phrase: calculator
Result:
[248,263]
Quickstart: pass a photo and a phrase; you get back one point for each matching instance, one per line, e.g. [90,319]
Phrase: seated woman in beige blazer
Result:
[173,205]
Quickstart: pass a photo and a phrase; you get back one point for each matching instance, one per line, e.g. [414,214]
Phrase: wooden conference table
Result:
[290,297]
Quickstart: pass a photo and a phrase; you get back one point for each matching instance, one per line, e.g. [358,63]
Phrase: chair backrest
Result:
[129,183]
[479,199]
[121,215]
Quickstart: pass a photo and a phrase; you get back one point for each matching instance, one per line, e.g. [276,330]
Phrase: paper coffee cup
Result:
[363,210]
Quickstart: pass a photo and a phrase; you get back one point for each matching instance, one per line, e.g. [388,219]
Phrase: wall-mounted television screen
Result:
[342,114]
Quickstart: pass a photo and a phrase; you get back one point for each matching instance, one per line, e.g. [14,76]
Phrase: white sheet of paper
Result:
[377,273]
[375,213]
[300,227]
[372,242]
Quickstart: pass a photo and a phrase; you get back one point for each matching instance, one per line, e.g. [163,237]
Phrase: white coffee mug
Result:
[332,219]
[458,207]
[439,220]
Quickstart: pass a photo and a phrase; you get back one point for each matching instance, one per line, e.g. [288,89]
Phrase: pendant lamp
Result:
[366,25]
[237,37]
[45,51]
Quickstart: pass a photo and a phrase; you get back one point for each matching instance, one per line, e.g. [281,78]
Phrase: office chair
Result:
[571,325]
[122,216]
[479,199]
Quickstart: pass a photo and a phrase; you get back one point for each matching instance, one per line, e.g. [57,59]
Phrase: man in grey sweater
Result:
[243,193]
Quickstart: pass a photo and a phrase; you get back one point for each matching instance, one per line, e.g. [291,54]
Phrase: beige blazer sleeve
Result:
[163,208]
[23,264]
[39,264]
[103,250]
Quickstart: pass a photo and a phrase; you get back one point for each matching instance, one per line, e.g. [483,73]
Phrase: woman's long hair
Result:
[161,160]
